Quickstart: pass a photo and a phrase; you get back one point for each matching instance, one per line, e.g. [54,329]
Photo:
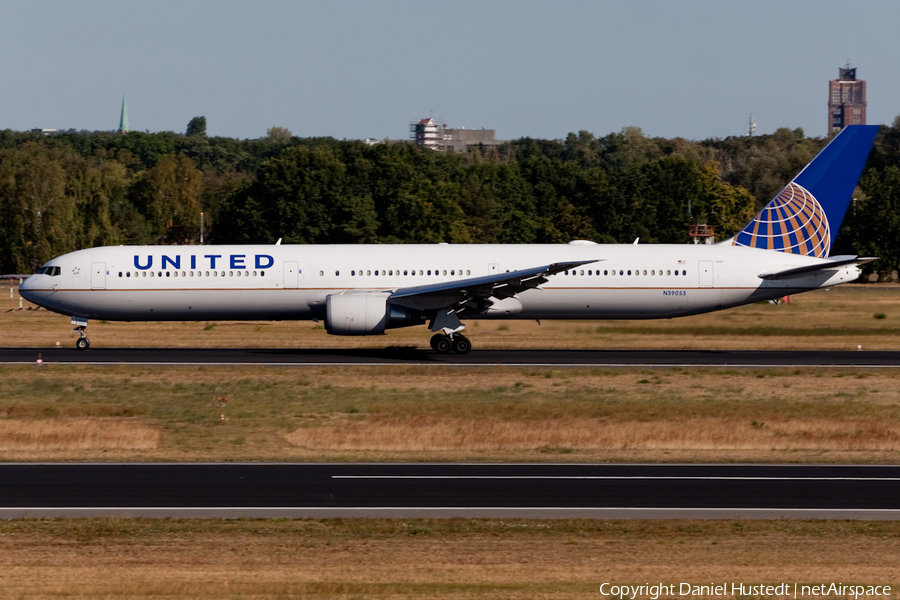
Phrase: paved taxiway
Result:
[449,490]
[408,356]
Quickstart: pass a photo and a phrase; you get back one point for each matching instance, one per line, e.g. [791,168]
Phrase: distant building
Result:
[427,133]
[846,100]
[437,136]
[463,140]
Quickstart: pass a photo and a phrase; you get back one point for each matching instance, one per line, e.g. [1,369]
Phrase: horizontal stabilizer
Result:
[833,263]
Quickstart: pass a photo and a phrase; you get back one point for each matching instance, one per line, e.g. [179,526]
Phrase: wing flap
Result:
[498,285]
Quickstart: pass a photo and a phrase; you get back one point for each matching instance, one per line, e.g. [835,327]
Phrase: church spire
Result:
[123,120]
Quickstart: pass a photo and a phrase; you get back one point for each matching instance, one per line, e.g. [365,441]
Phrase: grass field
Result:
[419,413]
[453,559]
[839,318]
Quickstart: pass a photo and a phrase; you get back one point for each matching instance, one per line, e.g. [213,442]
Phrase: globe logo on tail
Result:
[793,222]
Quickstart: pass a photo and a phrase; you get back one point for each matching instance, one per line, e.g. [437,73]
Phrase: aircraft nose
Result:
[26,287]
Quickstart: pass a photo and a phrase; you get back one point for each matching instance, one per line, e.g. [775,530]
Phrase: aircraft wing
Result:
[499,285]
[831,263]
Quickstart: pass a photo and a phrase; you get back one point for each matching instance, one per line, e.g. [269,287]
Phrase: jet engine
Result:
[367,314]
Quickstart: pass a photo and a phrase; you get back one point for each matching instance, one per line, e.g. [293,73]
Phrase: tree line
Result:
[78,189]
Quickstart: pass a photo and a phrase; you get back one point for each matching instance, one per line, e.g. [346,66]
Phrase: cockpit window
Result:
[51,271]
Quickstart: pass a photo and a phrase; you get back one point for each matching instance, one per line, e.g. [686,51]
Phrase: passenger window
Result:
[605,272]
[452,271]
[445,271]
[120,273]
[581,272]
[676,273]
[128,274]
[405,272]
[668,272]
[262,273]
[645,271]
[337,273]
[684,272]
[629,271]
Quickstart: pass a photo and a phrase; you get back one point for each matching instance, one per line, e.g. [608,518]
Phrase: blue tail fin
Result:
[805,217]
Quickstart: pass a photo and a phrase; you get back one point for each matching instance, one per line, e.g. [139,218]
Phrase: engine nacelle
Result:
[366,314]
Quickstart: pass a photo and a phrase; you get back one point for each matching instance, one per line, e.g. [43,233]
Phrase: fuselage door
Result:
[705,270]
[98,276]
[291,274]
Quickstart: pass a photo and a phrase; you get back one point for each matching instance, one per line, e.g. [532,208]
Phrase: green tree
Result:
[427,212]
[196,127]
[39,219]
[169,195]
[873,222]
[279,135]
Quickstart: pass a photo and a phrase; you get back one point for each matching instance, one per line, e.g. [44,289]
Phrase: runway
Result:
[268,490]
[414,356]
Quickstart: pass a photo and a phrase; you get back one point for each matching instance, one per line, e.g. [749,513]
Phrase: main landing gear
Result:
[457,342]
[80,323]
[448,333]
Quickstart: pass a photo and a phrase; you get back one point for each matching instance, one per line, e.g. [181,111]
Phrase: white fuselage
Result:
[155,283]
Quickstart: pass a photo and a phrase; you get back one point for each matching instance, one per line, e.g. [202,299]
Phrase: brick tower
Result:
[846,100]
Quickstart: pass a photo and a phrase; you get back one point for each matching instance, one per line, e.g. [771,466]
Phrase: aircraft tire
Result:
[461,344]
[82,343]
[441,344]
[434,340]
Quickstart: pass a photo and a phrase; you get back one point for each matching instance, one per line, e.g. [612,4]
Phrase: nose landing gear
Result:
[80,323]
[83,343]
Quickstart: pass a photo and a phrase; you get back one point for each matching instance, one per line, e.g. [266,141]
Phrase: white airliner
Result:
[365,290]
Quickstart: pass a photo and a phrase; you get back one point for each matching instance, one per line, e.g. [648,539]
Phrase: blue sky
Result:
[354,69]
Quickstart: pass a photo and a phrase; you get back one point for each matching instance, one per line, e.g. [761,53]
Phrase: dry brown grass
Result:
[75,434]
[388,413]
[435,433]
[457,559]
